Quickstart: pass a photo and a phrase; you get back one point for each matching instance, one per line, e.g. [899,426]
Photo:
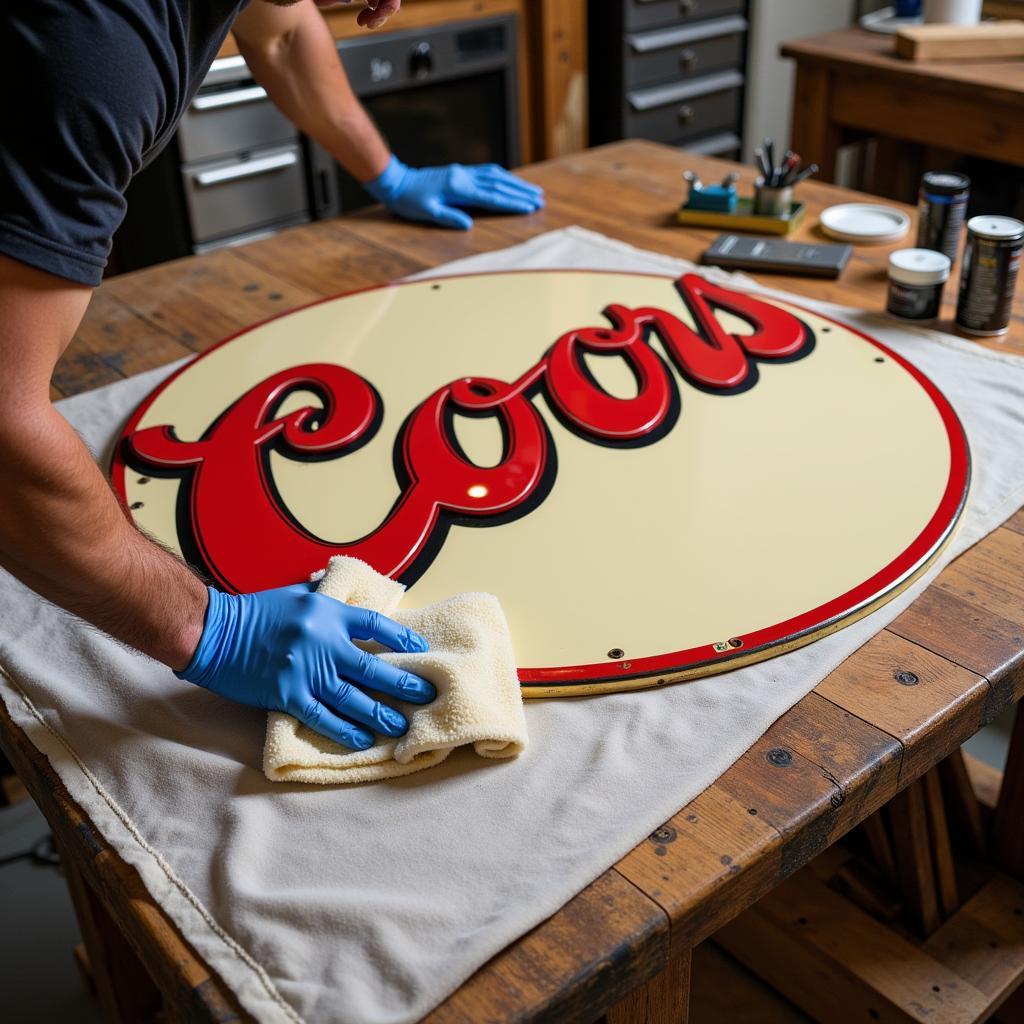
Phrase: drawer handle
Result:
[686,114]
[261,165]
[688,59]
[231,98]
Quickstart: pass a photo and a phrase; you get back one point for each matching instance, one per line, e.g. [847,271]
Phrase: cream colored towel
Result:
[470,661]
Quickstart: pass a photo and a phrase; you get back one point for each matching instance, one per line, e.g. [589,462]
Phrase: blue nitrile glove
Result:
[433,193]
[291,650]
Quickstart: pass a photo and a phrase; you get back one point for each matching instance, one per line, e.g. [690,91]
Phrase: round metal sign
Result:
[659,478]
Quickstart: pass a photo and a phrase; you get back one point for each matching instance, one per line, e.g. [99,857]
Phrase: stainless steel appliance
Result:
[669,70]
[238,169]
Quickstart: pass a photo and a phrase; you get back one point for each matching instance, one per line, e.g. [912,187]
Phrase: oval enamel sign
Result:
[659,478]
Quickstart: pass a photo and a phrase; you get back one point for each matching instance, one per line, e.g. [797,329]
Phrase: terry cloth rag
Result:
[470,661]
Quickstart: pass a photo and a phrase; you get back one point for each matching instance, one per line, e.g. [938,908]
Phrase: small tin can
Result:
[916,280]
[941,207]
[989,275]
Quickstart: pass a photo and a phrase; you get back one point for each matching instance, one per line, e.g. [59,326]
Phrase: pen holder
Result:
[770,201]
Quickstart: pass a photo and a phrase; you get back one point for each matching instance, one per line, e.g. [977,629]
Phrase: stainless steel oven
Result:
[443,95]
[238,169]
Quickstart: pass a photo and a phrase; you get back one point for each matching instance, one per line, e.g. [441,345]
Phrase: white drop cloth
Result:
[369,905]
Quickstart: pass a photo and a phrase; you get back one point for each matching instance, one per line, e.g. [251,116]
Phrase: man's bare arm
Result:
[62,531]
[292,54]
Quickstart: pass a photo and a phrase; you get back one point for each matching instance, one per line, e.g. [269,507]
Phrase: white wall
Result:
[769,77]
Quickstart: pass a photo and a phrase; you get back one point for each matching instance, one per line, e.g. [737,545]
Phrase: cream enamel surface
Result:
[756,507]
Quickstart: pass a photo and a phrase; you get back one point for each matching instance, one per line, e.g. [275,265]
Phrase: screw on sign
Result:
[638,478]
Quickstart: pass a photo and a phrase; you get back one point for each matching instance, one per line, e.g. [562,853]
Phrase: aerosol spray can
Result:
[941,206]
[989,275]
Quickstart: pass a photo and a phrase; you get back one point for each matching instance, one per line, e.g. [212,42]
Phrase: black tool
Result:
[804,174]
[761,165]
[769,153]
[745,252]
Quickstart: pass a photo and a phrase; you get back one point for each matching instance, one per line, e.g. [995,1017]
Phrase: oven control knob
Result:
[421,60]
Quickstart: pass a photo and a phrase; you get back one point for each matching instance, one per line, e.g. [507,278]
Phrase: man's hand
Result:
[374,13]
[437,194]
[291,650]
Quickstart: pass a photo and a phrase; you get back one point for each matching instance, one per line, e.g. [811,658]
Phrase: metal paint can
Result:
[941,207]
[989,275]
[916,280]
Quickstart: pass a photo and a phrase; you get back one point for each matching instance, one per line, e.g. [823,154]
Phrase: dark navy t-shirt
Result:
[91,90]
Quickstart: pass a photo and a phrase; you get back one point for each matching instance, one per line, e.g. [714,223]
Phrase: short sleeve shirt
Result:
[92,90]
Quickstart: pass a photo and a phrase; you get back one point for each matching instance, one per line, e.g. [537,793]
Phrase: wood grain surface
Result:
[889,714]
[850,83]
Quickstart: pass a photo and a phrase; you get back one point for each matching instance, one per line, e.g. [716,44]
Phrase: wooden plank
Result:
[1008,823]
[983,943]
[881,847]
[989,40]
[815,774]
[914,865]
[869,55]
[919,114]
[839,964]
[560,49]
[663,1000]
[963,805]
[705,864]
[560,971]
[125,992]
[985,780]
[327,259]
[430,246]
[814,134]
[111,343]
[949,624]
[722,991]
[928,704]
[203,299]
[942,850]
[985,586]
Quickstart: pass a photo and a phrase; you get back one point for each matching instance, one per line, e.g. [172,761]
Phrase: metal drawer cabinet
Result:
[684,110]
[228,196]
[230,113]
[652,13]
[683,51]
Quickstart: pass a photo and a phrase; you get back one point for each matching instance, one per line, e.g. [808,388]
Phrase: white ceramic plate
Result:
[864,223]
[886,22]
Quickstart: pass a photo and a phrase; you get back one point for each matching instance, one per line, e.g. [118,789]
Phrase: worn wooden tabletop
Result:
[837,756]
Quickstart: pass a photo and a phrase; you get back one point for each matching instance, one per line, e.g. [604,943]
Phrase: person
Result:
[93,90]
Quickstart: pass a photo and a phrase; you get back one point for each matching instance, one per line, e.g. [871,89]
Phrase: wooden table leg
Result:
[814,135]
[124,990]
[665,999]
[914,856]
[1008,824]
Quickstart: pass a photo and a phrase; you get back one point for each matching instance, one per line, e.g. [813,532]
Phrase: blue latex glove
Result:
[291,650]
[434,193]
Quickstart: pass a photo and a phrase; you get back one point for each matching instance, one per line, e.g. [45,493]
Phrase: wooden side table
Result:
[850,84]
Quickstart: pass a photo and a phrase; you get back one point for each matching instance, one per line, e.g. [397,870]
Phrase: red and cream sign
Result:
[659,478]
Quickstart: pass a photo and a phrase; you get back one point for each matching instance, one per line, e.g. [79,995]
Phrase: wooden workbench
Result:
[850,84]
[834,759]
